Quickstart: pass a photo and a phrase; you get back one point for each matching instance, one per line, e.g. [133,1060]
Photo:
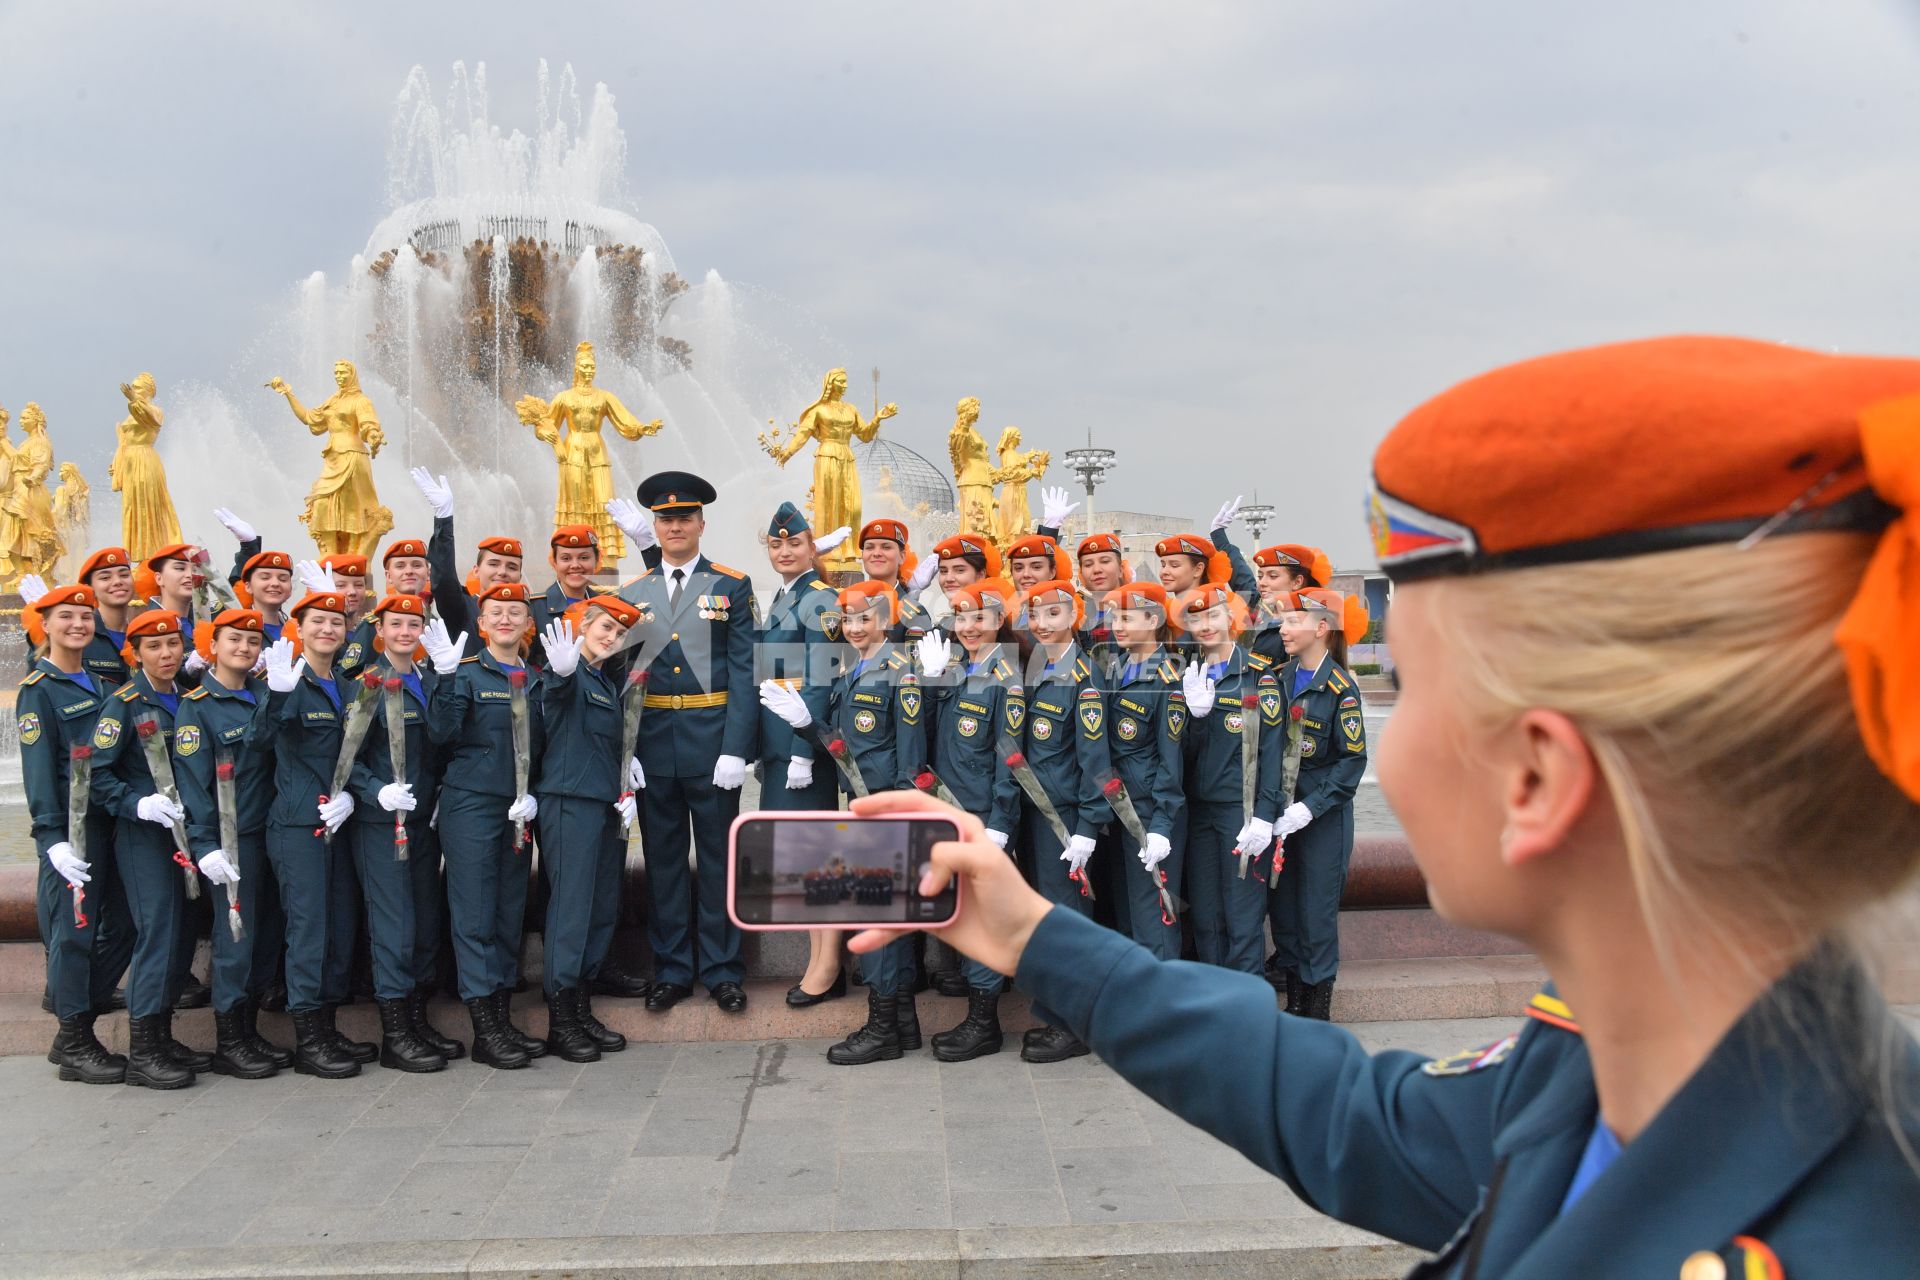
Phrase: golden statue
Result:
[343,514]
[72,521]
[29,541]
[972,474]
[1015,472]
[586,477]
[833,425]
[147,521]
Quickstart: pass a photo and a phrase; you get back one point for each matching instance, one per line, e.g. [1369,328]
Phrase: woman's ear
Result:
[1551,779]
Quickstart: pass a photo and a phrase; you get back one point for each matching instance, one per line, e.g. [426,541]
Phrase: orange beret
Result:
[1210,595]
[975,595]
[970,544]
[239,619]
[155,622]
[502,547]
[401,602]
[1136,594]
[575,535]
[512,591]
[172,551]
[861,596]
[405,547]
[1055,586]
[267,560]
[325,601]
[104,558]
[892,530]
[1343,612]
[1100,542]
[67,595]
[1035,546]
[1311,561]
[627,615]
[1219,567]
[351,566]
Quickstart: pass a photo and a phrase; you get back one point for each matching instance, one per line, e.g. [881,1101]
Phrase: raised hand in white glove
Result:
[729,772]
[194,664]
[1254,837]
[828,541]
[335,810]
[159,810]
[1156,851]
[283,673]
[313,576]
[922,574]
[633,522]
[799,772]
[628,808]
[1229,512]
[1079,849]
[219,868]
[437,493]
[242,532]
[562,647]
[397,797]
[32,587]
[935,651]
[1199,690]
[1056,504]
[636,776]
[1294,819]
[442,651]
[785,703]
[525,809]
[68,864]
[999,839]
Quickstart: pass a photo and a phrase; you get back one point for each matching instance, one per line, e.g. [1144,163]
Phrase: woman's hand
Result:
[998,910]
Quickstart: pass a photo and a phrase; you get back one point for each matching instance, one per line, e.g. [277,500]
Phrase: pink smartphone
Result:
[832,870]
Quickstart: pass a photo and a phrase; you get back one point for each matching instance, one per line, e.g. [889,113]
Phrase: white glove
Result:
[628,808]
[828,541]
[397,797]
[799,772]
[562,646]
[312,576]
[999,839]
[443,652]
[1056,504]
[283,673]
[1198,688]
[32,587]
[1079,849]
[159,810]
[219,868]
[436,492]
[525,809]
[335,810]
[1155,852]
[1254,837]
[194,664]
[922,575]
[729,772]
[242,532]
[785,703]
[633,522]
[636,776]
[1294,819]
[935,651]
[68,864]
[1229,512]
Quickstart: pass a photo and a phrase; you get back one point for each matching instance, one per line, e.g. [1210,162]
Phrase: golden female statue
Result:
[832,424]
[147,521]
[72,519]
[1015,472]
[586,477]
[343,514]
[972,474]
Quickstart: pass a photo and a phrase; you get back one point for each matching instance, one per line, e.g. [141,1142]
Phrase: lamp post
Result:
[1091,466]
[1258,516]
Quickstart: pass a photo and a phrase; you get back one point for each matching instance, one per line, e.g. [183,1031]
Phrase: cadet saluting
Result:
[695,642]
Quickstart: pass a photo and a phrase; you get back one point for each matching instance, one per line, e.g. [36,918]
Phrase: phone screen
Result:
[831,871]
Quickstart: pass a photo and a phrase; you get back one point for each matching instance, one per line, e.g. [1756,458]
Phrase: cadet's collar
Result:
[144,687]
[557,597]
[1065,662]
[1321,673]
[211,683]
[492,663]
[46,665]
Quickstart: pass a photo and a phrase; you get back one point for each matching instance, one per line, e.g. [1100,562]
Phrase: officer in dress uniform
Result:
[56,709]
[887,558]
[212,727]
[799,643]
[695,642]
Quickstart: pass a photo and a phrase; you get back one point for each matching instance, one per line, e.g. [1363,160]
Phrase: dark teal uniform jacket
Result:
[700,646]
[357,653]
[580,721]
[1471,1156]
[55,714]
[1333,737]
[1146,716]
[373,765]
[302,729]
[470,717]
[978,719]
[799,642]
[214,720]
[1066,740]
[880,712]
[103,659]
[1214,751]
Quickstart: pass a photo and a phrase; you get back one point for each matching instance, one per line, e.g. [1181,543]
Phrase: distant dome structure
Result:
[897,483]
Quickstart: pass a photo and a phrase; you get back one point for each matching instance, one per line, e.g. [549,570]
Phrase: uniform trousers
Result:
[316,899]
[486,890]
[1136,900]
[345,913]
[429,900]
[234,974]
[574,844]
[1306,903]
[84,964]
[387,887]
[1229,914]
[157,900]
[676,812]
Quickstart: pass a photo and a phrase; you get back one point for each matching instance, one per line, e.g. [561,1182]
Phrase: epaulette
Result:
[472,658]
[32,677]
[201,692]
[127,692]
[1002,669]
[721,568]
[1168,674]
[643,573]
[601,589]
[817,585]
[1336,681]
[1553,1011]
[1081,670]
[895,661]
[1259,661]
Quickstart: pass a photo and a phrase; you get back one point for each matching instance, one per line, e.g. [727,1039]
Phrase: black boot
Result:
[446,1046]
[1316,1000]
[194,994]
[492,1047]
[609,1040]
[977,1035]
[503,1006]
[81,1055]
[907,1017]
[612,980]
[1052,1044]
[281,1058]
[949,982]
[149,1065]
[1290,983]
[362,1051]
[190,1058]
[317,1050]
[234,1054]
[878,1040]
[401,1048]
[566,1038]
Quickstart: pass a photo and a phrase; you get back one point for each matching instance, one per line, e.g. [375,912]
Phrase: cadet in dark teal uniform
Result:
[261,580]
[978,712]
[574,553]
[346,575]
[496,560]
[887,558]
[1279,571]
[695,642]
[1065,744]
[1146,715]
[213,727]
[109,572]
[586,806]
[56,709]
[1229,910]
[123,785]
[1316,827]
[875,708]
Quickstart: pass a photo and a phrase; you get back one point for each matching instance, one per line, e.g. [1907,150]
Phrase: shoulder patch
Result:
[818,585]
[471,658]
[721,568]
[34,678]
[186,740]
[1468,1061]
[1553,1011]
[197,694]
[127,692]
[106,733]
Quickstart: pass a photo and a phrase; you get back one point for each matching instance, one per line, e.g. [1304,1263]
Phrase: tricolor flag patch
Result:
[1402,533]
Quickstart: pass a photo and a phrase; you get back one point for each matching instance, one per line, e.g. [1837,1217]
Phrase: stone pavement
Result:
[698,1147]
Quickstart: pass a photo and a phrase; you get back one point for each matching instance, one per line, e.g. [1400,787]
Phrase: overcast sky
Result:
[1236,242]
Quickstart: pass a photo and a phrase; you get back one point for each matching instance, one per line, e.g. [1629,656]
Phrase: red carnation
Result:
[1018,760]
[146,728]
[1113,788]
[224,770]
[517,679]
[1297,712]
[1251,701]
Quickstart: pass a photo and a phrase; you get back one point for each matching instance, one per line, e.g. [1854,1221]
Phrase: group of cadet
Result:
[324,763]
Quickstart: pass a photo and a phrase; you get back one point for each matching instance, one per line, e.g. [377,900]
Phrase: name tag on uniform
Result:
[1133,706]
[600,698]
[495,695]
[977,708]
[313,716]
[1048,706]
[878,700]
[234,734]
[72,708]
